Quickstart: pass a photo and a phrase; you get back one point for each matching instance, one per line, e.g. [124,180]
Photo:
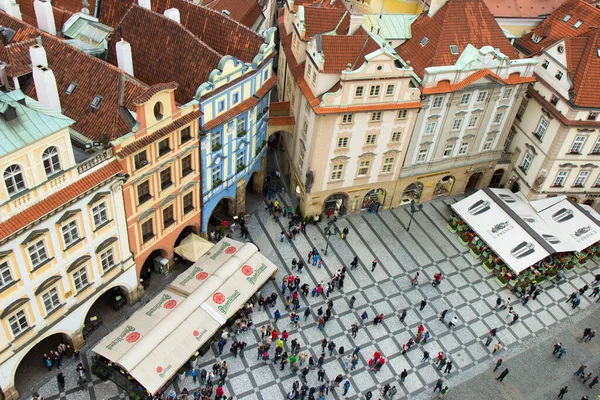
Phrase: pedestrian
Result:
[331,347]
[515,318]
[425,355]
[576,303]
[60,379]
[439,384]
[346,384]
[321,375]
[586,378]
[590,336]
[443,315]
[562,392]
[448,367]
[276,315]
[571,297]
[594,382]
[373,265]
[489,340]
[364,316]
[581,370]
[498,301]
[498,364]
[502,375]
[415,280]
[352,300]
[442,362]
[306,313]
[443,392]
[497,347]
[423,304]
[562,351]
[453,323]
[557,347]
[595,291]
[403,376]
[403,315]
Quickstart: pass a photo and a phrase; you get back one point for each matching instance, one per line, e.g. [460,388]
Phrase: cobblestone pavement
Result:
[467,290]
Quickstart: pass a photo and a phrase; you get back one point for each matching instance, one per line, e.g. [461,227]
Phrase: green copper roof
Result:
[34,121]
[389,26]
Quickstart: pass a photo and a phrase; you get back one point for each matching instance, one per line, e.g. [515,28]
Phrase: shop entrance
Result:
[373,200]
[496,178]
[336,203]
[444,186]
[473,181]
[412,192]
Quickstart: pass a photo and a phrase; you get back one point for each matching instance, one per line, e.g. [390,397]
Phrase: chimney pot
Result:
[38,55]
[124,58]
[12,8]
[145,3]
[356,21]
[44,15]
[173,14]
[45,87]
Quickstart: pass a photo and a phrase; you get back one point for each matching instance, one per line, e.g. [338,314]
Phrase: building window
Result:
[577,145]
[507,93]
[596,149]
[168,218]
[147,231]
[545,64]
[347,118]
[389,90]
[13,179]
[163,147]
[402,114]
[140,159]
[581,178]
[481,97]
[437,102]
[304,129]
[448,150]
[541,129]
[100,214]
[472,122]
[396,136]
[221,105]
[18,323]
[215,141]
[337,172]
[301,157]
[308,69]
[6,277]
[80,279]
[422,155]
[236,98]
[597,184]
[70,232]
[388,163]
[429,128]
[165,178]
[371,140]
[51,161]
[363,168]
[376,116]
[592,116]
[374,90]
[241,126]
[456,124]
[560,179]
[143,190]
[487,145]
[554,99]
[464,147]
[313,79]
[577,24]
[465,98]
[51,300]
[188,203]
[535,38]
[453,49]
[107,260]
[559,75]
[185,134]
[498,118]
[359,91]
[522,109]
[527,160]
[239,162]
[567,17]
[216,175]
[37,253]
[186,165]
[342,143]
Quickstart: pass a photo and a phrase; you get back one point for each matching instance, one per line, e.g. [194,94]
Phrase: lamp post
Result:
[327,234]
[414,208]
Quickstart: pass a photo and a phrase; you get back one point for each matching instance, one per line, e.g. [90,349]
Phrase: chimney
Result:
[173,14]
[4,76]
[226,12]
[38,55]
[435,5]
[45,87]
[145,4]
[124,58]
[12,8]
[356,21]
[45,16]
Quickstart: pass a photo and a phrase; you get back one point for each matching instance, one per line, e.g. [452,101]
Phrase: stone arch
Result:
[444,186]
[336,202]
[496,178]
[96,297]
[412,192]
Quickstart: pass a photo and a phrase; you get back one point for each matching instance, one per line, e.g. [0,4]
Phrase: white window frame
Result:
[388,165]
[364,167]
[359,91]
[463,149]
[371,139]
[481,96]
[81,279]
[376,116]
[37,252]
[389,90]
[51,161]
[430,128]
[559,74]
[465,98]
[597,183]
[487,145]
[526,162]
[448,151]
[582,177]
[396,137]
[402,114]
[347,119]
[456,124]
[541,128]
[70,232]
[18,320]
[108,260]
[545,63]
[99,214]
[239,161]
[596,149]
[422,155]
[215,173]
[342,142]
[6,276]
[473,121]
[51,300]
[577,144]
[498,118]
[437,102]
[507,93]
[374,90]
[560,179]
[337,172]
[14,180]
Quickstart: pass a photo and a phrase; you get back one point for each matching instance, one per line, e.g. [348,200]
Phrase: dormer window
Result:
[535,38]
[453,49]
[424,41]
[567,17]
[96,102]
[577,24]
[71,88]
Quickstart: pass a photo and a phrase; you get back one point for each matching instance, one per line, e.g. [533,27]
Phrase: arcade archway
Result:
[444,186]
[373,200]
[515,187]
[412,192]
[496,178]
[473,181]
[154,264]
[337,202]
[589,202]
[105,310]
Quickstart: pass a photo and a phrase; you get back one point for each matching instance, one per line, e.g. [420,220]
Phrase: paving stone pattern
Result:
[466,290]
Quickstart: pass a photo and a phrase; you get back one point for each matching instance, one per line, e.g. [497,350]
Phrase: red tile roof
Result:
[246,12]
[446,87]
[554,28]
[282,120]
[324,4]
[340,51]
[159,87]
[583,63]
[564,120]
[320,20]
[522,9]
[458,22]
[56,200]
[63,10]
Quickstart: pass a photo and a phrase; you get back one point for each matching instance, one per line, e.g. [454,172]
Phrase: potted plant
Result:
[241,133]
[540,278]
[463,239]
[240,167]
[217,147]
[181,373]
[217,182]
[135,396]
[475,251]
[569,267]
[501,280]
[452,226]
[488,266]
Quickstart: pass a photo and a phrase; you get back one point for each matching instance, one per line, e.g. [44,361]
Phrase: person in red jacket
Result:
[220,392]
[285,335]
[274,335]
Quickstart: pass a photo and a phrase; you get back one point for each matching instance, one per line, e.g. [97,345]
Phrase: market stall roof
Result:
[153,346]
[192,247]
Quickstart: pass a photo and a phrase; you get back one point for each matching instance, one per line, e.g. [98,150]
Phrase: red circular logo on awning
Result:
[218,298]
[230,250]
[133,337]
[247,270]
[196,333]
[169,304]
[202,276]
[159,369]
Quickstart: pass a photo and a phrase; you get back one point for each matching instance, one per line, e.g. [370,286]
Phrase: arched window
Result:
[14,180]
[51,160]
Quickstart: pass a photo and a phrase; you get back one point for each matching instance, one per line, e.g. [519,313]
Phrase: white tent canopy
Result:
[192,247]
[158,339]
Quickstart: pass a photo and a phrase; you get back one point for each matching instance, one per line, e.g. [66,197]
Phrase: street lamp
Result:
[414,208]
[328,233]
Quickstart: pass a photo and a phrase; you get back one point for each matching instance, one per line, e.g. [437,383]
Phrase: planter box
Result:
[474,254]
[597,256]
[489,270]
[568,270]
[462,241]
[451,228]
[580,264]
[499,282]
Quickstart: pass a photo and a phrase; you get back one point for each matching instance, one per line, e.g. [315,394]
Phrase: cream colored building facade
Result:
[353,123]
[63,235]
[556,140]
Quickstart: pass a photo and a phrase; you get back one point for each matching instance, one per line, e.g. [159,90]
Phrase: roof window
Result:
[71,88]
[424,41]
[96,102]
[536,38]
[598,52]
[577,24]
[453,49]
[567,17]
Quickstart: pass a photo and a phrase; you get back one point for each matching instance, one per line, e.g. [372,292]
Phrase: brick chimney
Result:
[11,8]
[43,78]
[356,21]
[173,14]
[435,5]
[45,16]
[145,3]
[124,58]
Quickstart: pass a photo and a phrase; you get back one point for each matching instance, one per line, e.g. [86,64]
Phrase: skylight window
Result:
[536,38]
[424,41]
[453,49]
[577,24]
[567,17]
[71,88]
[96,102]
[598,52]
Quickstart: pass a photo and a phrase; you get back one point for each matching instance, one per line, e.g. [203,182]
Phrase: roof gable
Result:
[341,51]
[319,20]
[583,63]
[246,12]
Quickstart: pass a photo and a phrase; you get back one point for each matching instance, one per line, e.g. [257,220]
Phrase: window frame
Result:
[559,74]
[70,232]
[165,184]
[489,142]
[545,63]
[438,101]
[463,148]
[541,128]
[184,200]
[186,171]
[585,174]
[22,327]
[140,159]
[216,140]
[37,251]
[106,257]
[52,295]
[482,93]
[396,137]
[147,235]
[216,174]
[364,167]
[164,150]
[5,269]
[474,119]
[164,214]
[387,165]
[498,118]
[143,196]
[526,162]
[374,90]
[563,174]
[456,124]
[342,142]
[337,172]
[371,139]
[52,157]
[431,124]
[448,150]
[402,114]
[359,91]
[20,185]
[185,135]
[596,148]
[580,143]
[239,159]
[376,116]
[466,96]
[389,89]
[347,119]
[422,155]
[507,93]
[80,275]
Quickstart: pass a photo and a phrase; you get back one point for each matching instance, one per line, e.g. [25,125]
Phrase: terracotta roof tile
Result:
[57,199]
[153,90]
[243,106]
[246,12]
[564,120]
[555,28]
[583,63]
[63,10]
[458,22]
[279,106]
[340,51]
[520,9]
[446,87]
[319,20]
[281,120]
[324,4]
